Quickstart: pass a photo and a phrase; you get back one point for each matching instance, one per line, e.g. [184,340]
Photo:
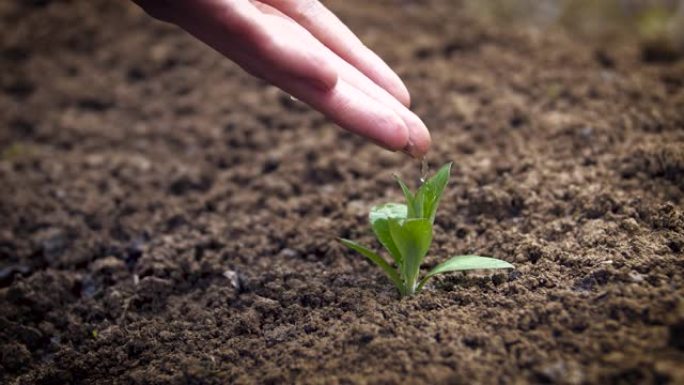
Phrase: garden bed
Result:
[165,218]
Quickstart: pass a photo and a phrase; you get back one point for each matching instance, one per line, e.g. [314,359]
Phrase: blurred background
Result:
[657,25]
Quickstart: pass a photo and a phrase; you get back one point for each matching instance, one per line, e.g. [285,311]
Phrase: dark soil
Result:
[164,218]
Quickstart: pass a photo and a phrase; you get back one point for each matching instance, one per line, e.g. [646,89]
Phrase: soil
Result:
[167,219]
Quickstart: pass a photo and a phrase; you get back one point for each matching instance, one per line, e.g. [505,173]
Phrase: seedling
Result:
[405,231]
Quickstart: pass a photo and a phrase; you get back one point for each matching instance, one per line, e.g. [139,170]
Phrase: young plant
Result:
[405,231]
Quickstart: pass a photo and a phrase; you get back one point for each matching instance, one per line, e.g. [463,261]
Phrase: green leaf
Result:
[381,263]
[410,199]
[412,238]
[379,219]
[387,211]
[465,262]
[428,195]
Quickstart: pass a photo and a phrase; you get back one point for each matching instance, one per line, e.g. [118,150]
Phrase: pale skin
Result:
[304,49]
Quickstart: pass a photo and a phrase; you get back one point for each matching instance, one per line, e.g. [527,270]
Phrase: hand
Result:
[304,49]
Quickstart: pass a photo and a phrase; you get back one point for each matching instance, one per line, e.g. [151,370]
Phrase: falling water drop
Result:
[424,168]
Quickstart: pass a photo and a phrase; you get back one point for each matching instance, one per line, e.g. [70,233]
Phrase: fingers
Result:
[272,46]
[355,111]
[328,29]
[317,17]
[357,104]
[285,52]
[238,30]
[418,135]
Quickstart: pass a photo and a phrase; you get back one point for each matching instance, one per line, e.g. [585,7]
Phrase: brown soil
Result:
[138,167]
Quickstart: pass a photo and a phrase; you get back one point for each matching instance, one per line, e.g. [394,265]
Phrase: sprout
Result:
[405,231]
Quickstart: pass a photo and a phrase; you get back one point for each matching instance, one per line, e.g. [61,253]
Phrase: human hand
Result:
[304,49]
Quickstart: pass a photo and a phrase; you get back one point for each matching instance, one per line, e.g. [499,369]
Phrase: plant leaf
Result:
[410,199]
[429,194]
[413,238]
[379,219]
[387,211]
[465,262]
[381,263]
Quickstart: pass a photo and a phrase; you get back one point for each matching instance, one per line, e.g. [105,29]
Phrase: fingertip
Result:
[392,83]
[419,139]
[402,93]
[421,144]
[386,78]
[397,89]
[391,131]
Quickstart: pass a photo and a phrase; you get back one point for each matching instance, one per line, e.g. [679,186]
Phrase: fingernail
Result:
[411,149]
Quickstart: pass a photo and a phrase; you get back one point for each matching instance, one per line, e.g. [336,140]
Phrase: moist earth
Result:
[166,219]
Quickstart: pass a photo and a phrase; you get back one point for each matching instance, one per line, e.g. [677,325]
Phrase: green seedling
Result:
[405,231]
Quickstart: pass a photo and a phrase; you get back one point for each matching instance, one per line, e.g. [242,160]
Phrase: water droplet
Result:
[424,168]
